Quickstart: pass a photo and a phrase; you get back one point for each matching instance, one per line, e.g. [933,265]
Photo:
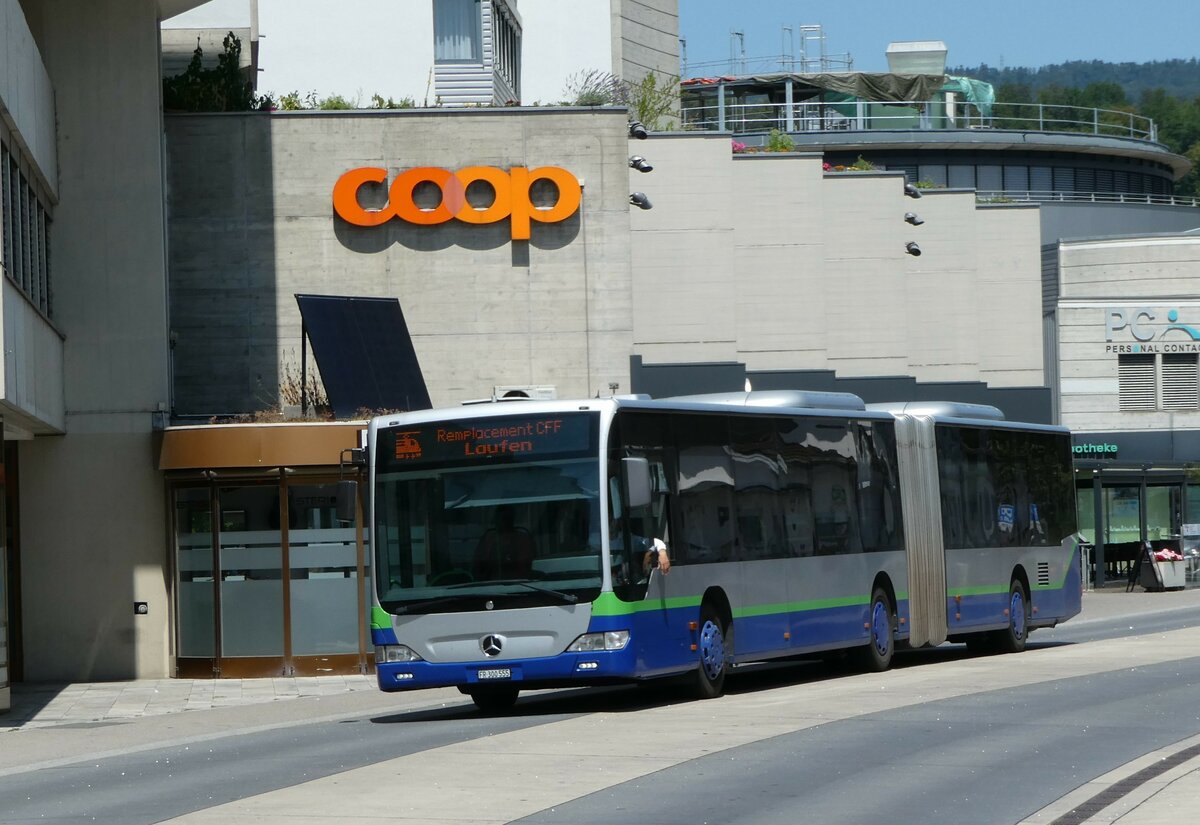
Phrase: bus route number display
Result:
[481,440]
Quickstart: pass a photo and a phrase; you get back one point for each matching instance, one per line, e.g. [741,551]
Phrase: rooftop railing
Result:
[1017,196]
[809,117]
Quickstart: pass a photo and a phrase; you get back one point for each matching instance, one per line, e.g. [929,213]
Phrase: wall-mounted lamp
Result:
[640,163]
[637,130]
[912,191]
[912,249]
[640,200]
[913,218]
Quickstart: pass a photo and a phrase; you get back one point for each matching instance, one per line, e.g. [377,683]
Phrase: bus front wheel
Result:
[710,676]
[876,655]
[493,698]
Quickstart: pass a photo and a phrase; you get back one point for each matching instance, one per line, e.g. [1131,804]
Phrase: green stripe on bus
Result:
[607,604]
[979,590]
[991,589]
[380,619]
[799,607]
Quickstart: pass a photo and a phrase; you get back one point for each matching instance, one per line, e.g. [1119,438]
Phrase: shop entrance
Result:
[268,582]
[1121,510]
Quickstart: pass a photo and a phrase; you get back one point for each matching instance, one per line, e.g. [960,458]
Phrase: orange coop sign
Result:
[511,187]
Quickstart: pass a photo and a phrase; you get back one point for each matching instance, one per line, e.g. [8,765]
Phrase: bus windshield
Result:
[488,514]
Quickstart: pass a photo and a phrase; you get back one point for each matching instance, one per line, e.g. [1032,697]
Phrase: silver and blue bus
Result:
[514,543]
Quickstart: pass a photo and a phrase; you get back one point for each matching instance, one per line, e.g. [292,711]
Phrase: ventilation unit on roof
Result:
[778,398]
[917,57]
[535,392]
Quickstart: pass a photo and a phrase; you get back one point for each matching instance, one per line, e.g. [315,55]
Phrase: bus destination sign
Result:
[484,439]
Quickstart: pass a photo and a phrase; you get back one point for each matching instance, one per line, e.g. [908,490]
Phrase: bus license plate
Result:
[496,673]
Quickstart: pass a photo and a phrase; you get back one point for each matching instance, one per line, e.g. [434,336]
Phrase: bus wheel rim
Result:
[881,628]
[712,649]
[1016,610]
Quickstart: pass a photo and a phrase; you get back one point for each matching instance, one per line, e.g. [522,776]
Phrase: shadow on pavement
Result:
[745,679]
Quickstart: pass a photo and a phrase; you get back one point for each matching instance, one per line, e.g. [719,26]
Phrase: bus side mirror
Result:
[636,472]
[347,500]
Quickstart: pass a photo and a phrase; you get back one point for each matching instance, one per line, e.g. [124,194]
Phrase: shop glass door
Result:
[195,584]
[251,588]
[238,614]
[326,613]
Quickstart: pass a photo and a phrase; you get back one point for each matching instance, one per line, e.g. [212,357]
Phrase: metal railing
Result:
[1022,196]
[916,115]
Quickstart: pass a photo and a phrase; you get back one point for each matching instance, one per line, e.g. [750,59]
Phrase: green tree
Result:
[1104,95]
[1189,184]
[650,101]
[1178,121]
[223,88]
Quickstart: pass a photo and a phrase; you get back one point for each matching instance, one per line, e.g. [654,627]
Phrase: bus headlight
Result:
[608,640]
[391,654]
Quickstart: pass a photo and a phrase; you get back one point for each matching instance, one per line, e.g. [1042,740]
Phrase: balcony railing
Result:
[1011,196]
[749,118]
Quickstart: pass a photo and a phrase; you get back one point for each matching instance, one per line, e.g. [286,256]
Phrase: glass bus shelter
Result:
[1124,507]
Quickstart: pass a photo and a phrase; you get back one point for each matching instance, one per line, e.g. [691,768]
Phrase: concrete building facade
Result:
[252,226]
[763,259]
[86,371]
[1128,334]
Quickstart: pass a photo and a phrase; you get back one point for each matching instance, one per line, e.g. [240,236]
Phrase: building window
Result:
[457,31]
[1137,388]
[6,248]
[25,231]
[1179,381]
[506,46]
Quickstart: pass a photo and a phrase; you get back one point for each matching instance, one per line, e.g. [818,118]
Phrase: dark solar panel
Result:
[365,354]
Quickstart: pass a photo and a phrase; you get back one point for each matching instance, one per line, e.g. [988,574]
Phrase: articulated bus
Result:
[515,544]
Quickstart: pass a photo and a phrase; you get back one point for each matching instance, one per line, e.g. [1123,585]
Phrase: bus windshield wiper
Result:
[569,598]
[409,607]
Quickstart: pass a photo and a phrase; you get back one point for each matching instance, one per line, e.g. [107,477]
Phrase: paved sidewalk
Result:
[38,705]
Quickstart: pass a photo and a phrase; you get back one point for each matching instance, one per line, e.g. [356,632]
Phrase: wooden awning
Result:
[228,446]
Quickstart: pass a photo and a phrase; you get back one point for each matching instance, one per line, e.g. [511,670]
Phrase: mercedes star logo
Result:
[491,644]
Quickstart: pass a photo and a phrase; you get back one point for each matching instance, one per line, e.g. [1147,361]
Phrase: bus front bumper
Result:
[563,670]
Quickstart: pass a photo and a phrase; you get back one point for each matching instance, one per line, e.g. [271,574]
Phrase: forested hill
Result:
[1178,78]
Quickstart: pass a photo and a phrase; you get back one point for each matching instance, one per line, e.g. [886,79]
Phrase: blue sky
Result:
[1009,33]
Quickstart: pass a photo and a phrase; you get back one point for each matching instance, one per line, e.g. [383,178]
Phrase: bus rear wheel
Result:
[710,675]
[494,698]
[1013,638]
[876,655]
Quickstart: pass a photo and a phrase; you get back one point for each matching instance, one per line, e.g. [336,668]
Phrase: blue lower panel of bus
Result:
[660,644]
[1050,604]
[563,669]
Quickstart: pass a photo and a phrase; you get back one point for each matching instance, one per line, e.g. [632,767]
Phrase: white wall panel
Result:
[26,94]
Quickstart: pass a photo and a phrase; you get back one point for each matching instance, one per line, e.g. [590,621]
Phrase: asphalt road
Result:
[995,757]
